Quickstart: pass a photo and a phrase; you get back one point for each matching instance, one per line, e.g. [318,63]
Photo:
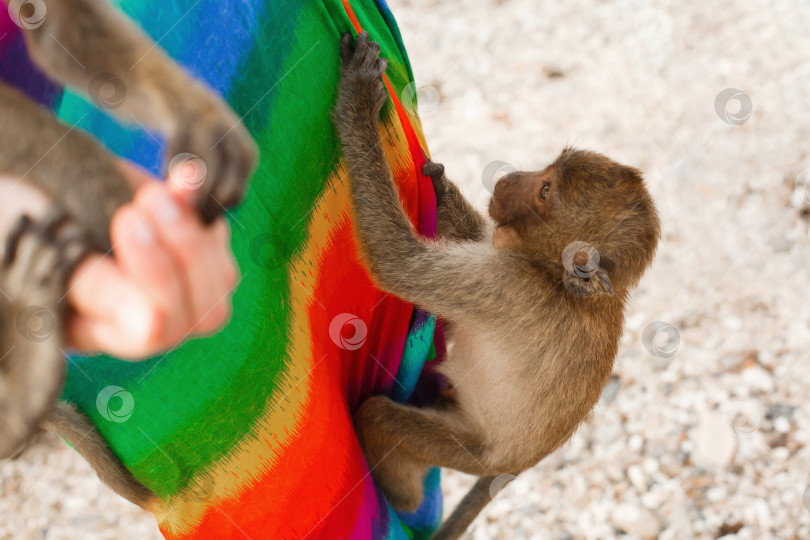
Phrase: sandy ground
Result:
[704,436]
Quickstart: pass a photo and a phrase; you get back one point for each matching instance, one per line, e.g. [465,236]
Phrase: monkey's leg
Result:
[89,45]
[423,437]
[401,442]
[466,511]
[76,428]
[72,169]
[457,219]
[37,259]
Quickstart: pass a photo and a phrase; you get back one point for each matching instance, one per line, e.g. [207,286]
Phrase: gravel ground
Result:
[702,435]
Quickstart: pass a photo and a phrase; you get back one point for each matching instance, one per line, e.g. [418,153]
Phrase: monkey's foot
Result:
[404,496]
[38,258]
[360,73]
[399,477]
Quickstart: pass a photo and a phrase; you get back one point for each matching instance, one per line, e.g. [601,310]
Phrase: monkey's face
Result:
[522,204]
[519,196]
[583,198]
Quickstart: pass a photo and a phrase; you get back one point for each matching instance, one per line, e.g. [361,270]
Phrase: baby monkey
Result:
[534,300]
[89,46]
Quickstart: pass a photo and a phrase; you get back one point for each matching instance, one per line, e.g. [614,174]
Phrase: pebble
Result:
[636,476]
[756,377]
[782,425]
[715,441]
[636,520]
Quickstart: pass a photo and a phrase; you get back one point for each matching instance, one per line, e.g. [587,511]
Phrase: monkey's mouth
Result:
[495,212]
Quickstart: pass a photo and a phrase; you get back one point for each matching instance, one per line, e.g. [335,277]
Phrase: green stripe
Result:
[204,397]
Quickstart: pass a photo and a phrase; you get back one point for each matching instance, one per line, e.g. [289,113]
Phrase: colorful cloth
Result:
[248,433]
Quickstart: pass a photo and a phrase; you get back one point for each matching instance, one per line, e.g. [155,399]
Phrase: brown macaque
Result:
[90,47]
[534,297]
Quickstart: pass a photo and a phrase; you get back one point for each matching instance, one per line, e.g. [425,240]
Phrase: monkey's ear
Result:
[597,283]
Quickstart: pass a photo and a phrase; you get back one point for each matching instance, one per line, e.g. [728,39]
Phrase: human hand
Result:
[169,278]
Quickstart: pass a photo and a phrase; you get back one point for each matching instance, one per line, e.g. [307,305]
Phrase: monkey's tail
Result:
[73,426]
[472,504]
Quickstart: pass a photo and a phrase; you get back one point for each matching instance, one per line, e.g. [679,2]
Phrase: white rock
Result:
[716,494]
[636,476]
[715,442]
[636,520]
[733,323]
[650,466]
[762,512]
[758,378]
[782,425]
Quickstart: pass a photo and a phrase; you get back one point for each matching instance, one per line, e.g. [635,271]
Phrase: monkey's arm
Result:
[90,46]
[457,219]
[72,169]
[451,279]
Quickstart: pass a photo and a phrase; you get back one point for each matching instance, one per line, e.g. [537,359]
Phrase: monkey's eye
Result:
[544,190]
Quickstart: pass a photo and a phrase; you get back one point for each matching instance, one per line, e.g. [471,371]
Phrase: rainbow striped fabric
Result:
[248,433]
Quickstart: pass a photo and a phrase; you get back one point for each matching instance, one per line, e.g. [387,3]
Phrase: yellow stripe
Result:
[231,475]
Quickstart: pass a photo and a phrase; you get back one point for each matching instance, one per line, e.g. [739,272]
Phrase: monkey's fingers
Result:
[14,237]
[365,54]
[346,47]
[360,47]
[69,239]
[213,161]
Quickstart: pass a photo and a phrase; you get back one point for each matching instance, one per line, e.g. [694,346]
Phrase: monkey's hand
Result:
[38,258]
[436,173]
[362,92]
[457,219]
[211,154]
[40,255]
[150,89]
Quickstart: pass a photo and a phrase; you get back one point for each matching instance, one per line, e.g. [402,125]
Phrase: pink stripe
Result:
[8,30]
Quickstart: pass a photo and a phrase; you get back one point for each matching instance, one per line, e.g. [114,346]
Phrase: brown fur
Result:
[533,343]
[79,431]
[82,43]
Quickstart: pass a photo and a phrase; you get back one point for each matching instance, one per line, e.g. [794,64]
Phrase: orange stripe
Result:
[352,17]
